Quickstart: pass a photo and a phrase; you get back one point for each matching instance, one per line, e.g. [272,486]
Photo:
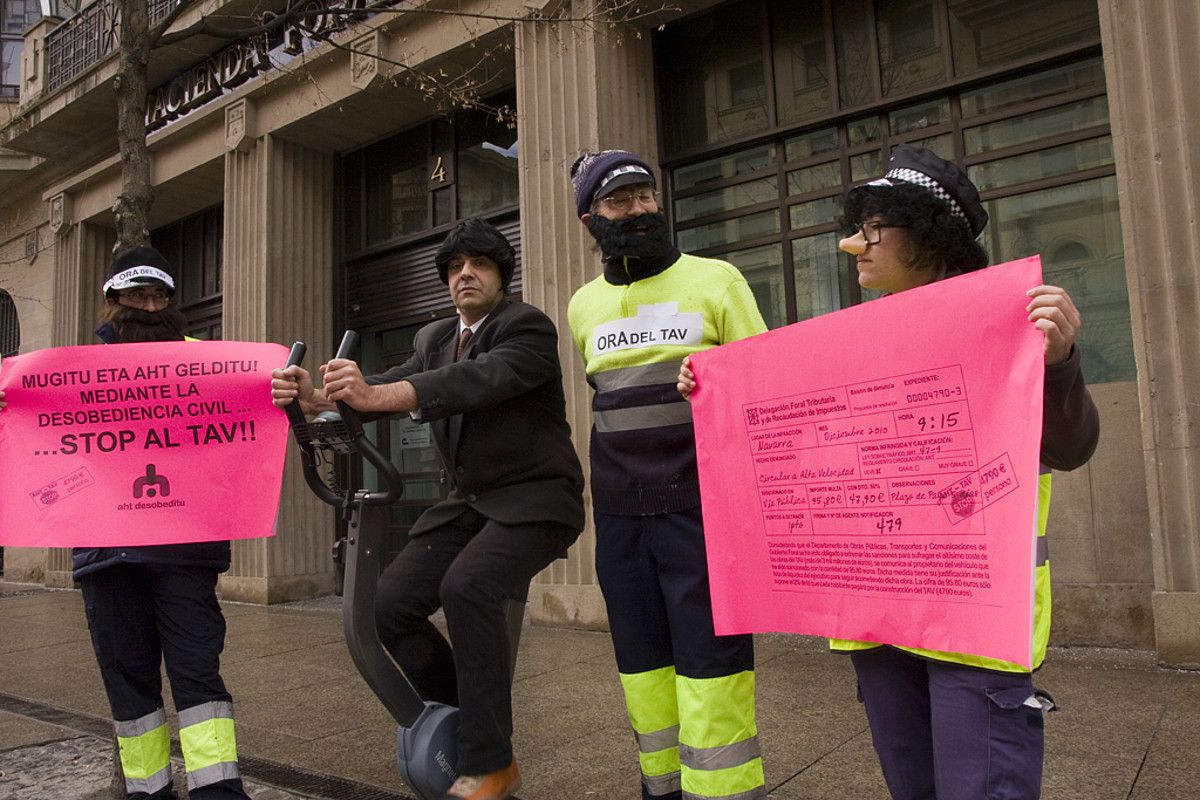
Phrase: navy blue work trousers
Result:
[653,571]
[949,731]
[142,615]
[469,568]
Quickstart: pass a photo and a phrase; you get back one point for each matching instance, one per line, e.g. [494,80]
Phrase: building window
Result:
[193,246]
[830,56]
[801,61]
[486,162]
[1045,221]
[711,73]
[744,85]
[429,176]
[15,17]
[1035,140]
[910,52]
[986,35]
[10,327]
[398,197]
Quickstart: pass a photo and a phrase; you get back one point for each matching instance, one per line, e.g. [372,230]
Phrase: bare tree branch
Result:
[444,90]
[159,28]
[605,12]
[266,23]
[462,90]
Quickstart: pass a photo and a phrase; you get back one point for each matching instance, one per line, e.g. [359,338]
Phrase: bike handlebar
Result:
[295,358]
[389,475]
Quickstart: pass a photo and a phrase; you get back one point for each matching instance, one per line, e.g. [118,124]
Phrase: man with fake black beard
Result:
[141,312]
[148,604]
[689,693]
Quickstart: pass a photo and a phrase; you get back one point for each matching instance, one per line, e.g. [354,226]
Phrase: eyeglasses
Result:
[146,295]
[623,201]
[871,231]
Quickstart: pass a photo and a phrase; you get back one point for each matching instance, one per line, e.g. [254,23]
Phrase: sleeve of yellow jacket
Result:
[740,317]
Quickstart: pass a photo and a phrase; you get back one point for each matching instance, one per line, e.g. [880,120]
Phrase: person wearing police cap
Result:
[689,693]
[957,725]
[147,605]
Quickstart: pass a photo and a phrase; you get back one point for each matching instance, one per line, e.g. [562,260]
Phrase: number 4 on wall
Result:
[438,175]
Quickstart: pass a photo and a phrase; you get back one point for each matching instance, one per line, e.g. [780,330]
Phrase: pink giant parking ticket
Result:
[140,444]
[872,474]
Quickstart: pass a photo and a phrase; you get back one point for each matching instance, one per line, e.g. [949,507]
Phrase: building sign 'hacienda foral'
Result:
[224,70]
[320,18]
[243,60]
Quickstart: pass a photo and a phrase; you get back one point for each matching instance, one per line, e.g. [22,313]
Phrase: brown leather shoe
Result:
[492,786]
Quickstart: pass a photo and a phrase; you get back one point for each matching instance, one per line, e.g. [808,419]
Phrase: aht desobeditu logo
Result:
[147,484]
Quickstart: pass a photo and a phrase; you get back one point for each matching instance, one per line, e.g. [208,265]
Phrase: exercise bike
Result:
[427,738]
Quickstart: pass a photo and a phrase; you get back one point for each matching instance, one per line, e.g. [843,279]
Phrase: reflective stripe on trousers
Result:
[145,747]
[654,715]
[207,740]
[696,734]
[718,741]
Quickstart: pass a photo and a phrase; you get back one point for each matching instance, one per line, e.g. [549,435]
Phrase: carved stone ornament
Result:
[60,212]
[364,60]
[239,126]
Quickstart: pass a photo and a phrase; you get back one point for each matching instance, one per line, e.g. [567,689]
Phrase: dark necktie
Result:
[463,338]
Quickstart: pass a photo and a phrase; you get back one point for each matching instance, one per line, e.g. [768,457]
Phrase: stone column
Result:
[83,253]
[278,288]
[576,90]
[1150,65]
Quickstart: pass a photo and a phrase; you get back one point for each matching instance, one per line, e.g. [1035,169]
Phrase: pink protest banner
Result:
[140,444]
[871,474]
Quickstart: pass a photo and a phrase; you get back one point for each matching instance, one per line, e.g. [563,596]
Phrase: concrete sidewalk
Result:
[308,726]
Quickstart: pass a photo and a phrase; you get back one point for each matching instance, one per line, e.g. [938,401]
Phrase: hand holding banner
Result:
[871,474]
[139,444]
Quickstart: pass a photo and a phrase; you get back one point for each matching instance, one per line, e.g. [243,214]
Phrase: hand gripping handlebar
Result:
[342,433]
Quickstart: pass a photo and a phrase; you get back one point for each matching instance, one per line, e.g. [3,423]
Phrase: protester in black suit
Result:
[498,417]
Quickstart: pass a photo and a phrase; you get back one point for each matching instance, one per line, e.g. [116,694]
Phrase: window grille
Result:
[10,329]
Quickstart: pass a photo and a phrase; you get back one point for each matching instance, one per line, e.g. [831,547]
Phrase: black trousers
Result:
[468,567]
[141,615]
[653,571]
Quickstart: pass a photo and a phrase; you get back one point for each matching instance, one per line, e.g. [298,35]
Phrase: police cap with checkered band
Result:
[942,178]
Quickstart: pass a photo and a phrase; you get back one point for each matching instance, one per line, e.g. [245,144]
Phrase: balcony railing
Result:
[88,37]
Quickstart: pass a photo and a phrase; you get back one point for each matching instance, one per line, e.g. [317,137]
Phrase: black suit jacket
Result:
[498,418]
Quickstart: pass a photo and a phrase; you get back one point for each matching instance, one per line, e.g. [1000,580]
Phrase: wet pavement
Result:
[308,727]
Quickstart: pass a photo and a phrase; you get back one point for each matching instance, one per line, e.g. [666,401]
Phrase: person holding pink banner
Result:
[150,604]
[956,725]
[689,693]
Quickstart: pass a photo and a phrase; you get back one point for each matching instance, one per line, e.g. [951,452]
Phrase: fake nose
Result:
[855,245]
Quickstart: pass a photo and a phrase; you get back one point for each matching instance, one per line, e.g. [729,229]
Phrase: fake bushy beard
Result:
[138,325]
[644,236]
